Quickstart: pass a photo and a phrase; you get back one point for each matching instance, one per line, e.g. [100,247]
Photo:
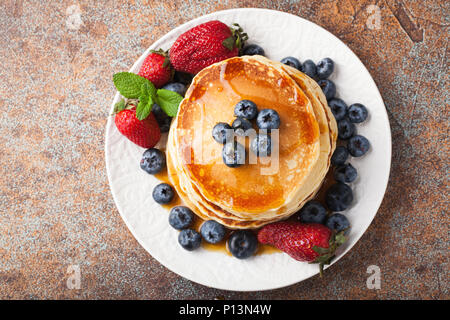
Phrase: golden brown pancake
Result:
[328,132]
[244,191]
[204,213]
[191,195]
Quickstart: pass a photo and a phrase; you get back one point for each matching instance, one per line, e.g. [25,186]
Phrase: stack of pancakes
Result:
[273,188]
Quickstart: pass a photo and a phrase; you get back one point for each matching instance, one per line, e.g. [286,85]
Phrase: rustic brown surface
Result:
[56,206]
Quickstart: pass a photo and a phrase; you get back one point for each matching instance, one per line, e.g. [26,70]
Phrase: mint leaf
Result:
[148,89]
[129,84]
[168,101]
[148,92]
[144,107]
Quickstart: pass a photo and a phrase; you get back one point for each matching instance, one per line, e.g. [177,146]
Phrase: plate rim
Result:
[167,37]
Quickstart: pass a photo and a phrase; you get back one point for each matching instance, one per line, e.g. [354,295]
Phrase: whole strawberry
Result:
[156,68]
[310,242]
[144,133]
[206,44]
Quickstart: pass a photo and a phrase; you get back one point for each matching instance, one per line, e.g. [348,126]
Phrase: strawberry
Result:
[156,68]
[144,133]
[310,242]
[206,44]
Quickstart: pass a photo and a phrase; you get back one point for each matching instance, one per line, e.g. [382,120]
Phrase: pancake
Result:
[201,205]
[204,213]
[211,98]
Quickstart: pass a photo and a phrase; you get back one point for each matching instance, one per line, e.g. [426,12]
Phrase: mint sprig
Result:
[168,101]
[129,84]
[146,100]
[133,86]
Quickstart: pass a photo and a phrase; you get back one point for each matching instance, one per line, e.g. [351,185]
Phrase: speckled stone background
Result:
[57,59]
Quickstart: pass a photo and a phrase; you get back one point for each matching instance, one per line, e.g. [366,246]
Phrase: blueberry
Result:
[339,156]
[357,113]
[358,146]
[161,117]
[328,88]
[338,222]
[182,77]
[292,62]
[252,49]
[346,173]
[338,197]
[338,107]
[268,119]
[153,161]
[246,109]
[310,69]
[346,129]
[312,212]
[212,231]
[240,126]
[177,87]
[163,193]
[325,68]
[233,154]
[181,217]
[189,239]
[261,145]
[242,244]
[222,132]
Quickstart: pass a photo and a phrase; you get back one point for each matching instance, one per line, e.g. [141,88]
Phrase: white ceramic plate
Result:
[280,34]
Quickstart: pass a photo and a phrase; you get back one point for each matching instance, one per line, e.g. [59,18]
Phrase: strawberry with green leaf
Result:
[205,44]
[156,68]
[134,118]
[145,133]
[310,242]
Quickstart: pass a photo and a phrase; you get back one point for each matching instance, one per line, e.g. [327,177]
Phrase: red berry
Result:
[296,239]
[310,242]
[156,68]
[144,133]
[204,45]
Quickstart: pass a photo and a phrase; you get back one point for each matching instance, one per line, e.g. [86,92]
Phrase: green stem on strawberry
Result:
[326,255]
[237,39]
[166,63]
[119,106]
[240,35]
[125,105]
